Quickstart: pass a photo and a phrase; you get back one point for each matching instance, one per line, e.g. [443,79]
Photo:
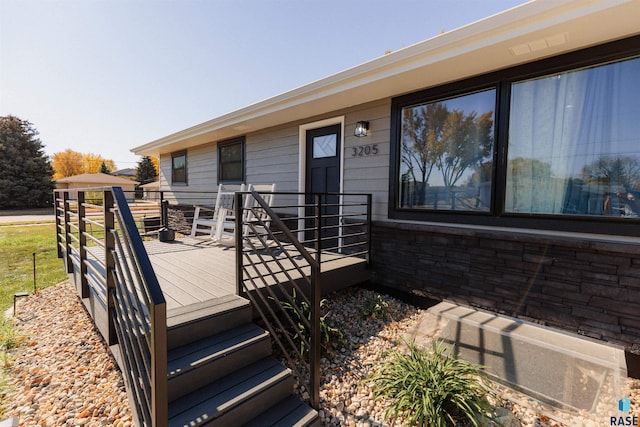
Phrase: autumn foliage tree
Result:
[25,170]
[68,163]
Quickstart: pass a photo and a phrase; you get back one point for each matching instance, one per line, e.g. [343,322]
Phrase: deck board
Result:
[192,270]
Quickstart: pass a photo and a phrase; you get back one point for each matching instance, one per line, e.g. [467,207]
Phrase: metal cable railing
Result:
[99,239]
[140,317]
[279,260]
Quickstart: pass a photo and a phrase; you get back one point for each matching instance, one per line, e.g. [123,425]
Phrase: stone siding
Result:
[586,286]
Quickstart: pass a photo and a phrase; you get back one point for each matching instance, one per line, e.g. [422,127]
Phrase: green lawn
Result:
[17,244]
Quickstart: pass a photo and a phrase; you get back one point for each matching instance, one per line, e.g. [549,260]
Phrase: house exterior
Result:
[88,180]
[151,191]
[503,158]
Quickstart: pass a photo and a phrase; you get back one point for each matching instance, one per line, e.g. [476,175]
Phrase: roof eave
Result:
[499,40]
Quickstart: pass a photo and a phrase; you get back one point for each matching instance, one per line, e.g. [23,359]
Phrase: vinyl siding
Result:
[272,157]
[369,174]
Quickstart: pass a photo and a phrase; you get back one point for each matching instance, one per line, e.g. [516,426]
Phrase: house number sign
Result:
[364,150]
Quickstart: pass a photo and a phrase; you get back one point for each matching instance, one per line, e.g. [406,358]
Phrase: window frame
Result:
[227,143]
[173,173]
[502,81]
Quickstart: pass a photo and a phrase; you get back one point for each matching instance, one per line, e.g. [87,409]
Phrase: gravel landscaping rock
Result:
[64,375]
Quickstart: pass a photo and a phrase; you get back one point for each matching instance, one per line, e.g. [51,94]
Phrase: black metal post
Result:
[34,273]
[369,236]
[109,262]
[237,205]
[164,214]
[82,237]
[315,353]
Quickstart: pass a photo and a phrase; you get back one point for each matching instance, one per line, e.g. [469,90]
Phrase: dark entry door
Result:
[323,177]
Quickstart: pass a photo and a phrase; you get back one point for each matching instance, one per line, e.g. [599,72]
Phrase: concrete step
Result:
[291,412]
[197,364]
[235,399]
[198,321]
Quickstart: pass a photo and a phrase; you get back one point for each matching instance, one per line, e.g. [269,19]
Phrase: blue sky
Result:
[104,76]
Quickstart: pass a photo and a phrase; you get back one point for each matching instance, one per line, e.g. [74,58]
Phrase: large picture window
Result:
[446,153]
[231,161]
[179,167]
[553,144]
[574,143]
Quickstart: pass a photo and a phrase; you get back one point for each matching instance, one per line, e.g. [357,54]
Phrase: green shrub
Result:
[329,335]
[374,307]
[432,388]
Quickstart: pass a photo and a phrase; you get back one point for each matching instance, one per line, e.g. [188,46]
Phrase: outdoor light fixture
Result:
[361,129]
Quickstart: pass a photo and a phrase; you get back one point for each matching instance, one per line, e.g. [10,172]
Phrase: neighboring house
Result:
[151,191]
[89,180]
[503,158]
[125,173]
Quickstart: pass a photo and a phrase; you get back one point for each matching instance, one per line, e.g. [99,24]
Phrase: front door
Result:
[323,177]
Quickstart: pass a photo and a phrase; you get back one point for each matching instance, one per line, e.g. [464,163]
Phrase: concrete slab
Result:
[564,370]
[10,422]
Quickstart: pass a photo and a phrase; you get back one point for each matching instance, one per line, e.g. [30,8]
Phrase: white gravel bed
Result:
[63,373]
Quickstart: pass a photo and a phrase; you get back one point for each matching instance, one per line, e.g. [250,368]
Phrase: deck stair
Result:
[221,371]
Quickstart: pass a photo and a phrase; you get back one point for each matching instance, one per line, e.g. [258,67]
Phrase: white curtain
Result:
[560,127]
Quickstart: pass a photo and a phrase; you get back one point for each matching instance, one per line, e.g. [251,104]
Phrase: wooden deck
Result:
[192,271]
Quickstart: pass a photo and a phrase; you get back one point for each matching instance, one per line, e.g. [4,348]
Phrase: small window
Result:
[179,167]
[231,161]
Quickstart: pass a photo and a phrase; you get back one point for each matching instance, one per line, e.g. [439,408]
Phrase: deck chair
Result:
[205,218]
[226,224]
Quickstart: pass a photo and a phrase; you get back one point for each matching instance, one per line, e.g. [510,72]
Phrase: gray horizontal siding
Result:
[272,157]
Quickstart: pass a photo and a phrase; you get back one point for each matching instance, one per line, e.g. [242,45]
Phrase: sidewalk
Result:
[27,215]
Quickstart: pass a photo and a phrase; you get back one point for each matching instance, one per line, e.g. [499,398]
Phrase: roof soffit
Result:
[481,47]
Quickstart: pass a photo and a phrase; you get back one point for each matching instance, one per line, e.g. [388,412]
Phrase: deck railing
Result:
[103,250]
[279,263]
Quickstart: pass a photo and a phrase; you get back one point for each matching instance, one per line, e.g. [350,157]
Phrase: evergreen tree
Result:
[146,171]
[25,170]
[104,168]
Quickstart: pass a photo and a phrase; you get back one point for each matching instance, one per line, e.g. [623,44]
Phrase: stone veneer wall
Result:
[581,285]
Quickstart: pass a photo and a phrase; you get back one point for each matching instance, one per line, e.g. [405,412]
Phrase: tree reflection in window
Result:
[447,153]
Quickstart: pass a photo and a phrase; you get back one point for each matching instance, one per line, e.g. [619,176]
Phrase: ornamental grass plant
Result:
[432,388]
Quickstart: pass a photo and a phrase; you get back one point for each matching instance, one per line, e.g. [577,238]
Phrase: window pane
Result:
[231,171]
[574,143]
[446,154]
[179,168]
[231,153]
[230,162]
[324,146]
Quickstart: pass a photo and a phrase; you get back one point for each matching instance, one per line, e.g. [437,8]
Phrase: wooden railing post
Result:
[67,232]
[82,237]
[109,261]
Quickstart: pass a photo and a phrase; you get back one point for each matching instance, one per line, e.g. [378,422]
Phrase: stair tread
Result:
[209,402]
[190,356]
[290,412]
[195,312]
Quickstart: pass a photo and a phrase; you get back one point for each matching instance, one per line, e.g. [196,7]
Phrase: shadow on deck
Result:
[192,271]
